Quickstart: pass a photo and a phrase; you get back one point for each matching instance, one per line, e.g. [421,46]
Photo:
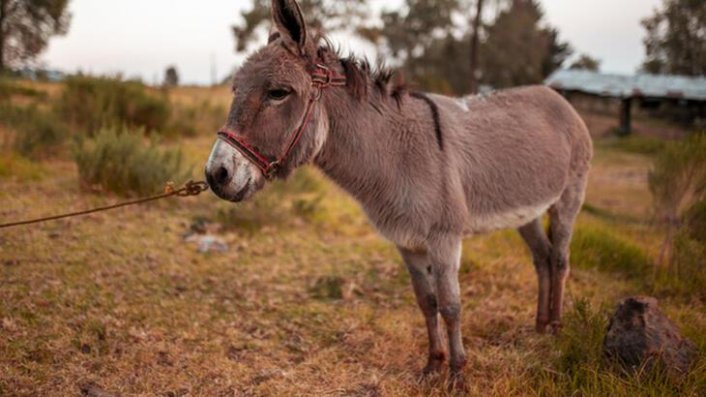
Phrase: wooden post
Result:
[625,107]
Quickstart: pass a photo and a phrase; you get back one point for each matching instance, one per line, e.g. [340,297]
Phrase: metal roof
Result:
[622,86]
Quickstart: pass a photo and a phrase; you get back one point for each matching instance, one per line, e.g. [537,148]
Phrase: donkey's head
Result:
[275,122]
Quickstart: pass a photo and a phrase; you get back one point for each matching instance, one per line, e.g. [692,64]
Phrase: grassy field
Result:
[308,300]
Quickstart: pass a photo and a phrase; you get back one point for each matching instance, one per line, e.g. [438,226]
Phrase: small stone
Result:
[207,243]
[640,334]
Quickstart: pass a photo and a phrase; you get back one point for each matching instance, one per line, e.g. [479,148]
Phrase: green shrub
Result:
[37,133]
[93,102]
[598,248]
[118,160]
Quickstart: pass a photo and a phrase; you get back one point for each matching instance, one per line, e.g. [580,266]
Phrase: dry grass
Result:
[311,304]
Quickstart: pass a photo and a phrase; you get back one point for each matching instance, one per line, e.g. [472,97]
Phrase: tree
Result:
[586,62]
[676,38]
[27,25]
[475,46]
[171,77]
[519,50]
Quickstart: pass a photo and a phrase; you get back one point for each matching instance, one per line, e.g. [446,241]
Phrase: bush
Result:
[37,133]
[93,102]
[117,160]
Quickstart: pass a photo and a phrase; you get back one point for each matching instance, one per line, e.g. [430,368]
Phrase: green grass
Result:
[595,247]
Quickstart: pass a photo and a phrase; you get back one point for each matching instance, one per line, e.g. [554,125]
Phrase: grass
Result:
[309,300]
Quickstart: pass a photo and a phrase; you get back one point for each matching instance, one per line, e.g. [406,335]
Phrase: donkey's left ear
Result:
[290,23]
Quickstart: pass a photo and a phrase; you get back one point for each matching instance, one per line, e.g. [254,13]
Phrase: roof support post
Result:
[625,124]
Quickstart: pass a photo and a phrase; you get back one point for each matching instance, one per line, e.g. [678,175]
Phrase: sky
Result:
[141,38]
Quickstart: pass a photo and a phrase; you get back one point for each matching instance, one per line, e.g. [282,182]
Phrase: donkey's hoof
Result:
[457,383]
[555,327]
[434,365]
[542,327]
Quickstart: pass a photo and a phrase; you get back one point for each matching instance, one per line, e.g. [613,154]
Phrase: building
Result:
[684,96]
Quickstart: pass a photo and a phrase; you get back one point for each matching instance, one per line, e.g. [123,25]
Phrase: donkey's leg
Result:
[445,253]
[562,217]
[420,270]
[539,245]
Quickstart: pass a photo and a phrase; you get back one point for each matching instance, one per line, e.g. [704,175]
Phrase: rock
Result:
[207,243]
[640,334]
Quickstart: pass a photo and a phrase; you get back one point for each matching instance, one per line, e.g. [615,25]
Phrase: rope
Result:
[191,188]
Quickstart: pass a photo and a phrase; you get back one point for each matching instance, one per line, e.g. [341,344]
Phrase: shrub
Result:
[37,133]
[93,102]
[118,160]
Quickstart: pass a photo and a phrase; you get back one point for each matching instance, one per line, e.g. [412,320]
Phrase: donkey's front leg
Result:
[445,253]
[420,270]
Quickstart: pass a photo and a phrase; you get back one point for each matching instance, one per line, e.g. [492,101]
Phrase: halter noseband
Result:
[321,78]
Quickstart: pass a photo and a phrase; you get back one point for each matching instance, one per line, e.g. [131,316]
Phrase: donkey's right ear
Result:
[290,23]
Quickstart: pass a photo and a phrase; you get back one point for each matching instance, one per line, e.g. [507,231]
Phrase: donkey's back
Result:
[514,152]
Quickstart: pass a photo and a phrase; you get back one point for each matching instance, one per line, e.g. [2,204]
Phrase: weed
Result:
[117,160]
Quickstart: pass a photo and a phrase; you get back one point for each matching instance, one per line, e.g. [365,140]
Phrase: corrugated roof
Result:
[622,86]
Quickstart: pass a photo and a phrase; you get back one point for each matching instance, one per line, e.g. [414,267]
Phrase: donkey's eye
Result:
[277,94]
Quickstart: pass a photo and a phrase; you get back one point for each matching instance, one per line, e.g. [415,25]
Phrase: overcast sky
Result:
[140,38]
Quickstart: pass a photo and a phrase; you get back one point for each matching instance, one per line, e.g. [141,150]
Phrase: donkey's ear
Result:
[290,23]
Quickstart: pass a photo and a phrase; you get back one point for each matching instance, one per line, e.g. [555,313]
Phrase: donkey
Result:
[427,169]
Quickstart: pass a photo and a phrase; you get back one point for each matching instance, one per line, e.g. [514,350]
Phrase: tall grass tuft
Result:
[90,103]
[119,161]
[678,185]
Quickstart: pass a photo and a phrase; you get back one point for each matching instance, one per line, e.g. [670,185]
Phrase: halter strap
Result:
[322,77]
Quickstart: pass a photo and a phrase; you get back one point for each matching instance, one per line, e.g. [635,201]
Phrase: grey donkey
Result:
[427,169]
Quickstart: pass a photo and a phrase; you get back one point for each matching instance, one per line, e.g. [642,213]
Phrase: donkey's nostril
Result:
[221,175]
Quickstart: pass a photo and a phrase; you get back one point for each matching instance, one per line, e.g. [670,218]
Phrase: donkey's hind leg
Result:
[420,270]
[562,217]
[538,243]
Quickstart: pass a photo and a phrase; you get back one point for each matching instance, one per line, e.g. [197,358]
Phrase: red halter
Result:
[321,78]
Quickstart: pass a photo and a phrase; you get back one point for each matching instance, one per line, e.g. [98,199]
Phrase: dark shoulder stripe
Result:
[434,114]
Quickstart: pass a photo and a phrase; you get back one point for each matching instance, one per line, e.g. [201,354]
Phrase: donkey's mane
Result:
[361,76]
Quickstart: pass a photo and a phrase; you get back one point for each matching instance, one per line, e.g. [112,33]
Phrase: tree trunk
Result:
[3,16]
[475,38]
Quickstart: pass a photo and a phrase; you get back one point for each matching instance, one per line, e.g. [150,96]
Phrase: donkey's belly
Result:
[513,218]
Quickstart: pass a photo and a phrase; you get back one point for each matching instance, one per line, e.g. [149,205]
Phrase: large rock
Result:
[640,334]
